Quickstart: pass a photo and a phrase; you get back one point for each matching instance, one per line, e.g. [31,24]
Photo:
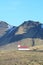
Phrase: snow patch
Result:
[10,26]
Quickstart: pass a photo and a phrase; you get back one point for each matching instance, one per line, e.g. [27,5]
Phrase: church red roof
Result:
[23,47]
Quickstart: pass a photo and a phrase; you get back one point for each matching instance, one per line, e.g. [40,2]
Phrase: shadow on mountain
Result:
[35,32]
[6,37]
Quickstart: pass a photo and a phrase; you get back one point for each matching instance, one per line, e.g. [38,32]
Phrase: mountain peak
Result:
[3,24]
[30,22]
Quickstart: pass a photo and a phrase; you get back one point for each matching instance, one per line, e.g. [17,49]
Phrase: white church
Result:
[22,47]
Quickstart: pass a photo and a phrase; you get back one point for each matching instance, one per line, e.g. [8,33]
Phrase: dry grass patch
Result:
[21,58]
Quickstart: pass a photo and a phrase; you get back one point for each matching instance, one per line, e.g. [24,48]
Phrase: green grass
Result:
[21,58]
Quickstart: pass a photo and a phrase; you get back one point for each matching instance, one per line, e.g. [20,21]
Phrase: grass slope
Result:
[21,58]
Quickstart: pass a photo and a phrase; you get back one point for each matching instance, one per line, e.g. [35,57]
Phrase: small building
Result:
[23,47]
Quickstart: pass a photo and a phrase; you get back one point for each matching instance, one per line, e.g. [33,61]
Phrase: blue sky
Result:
[16,12]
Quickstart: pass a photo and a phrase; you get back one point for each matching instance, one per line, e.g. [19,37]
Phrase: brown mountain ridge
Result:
[29,33]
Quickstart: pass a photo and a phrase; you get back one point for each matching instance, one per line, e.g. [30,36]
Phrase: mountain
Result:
[3,28]
[29,33]
[31,29]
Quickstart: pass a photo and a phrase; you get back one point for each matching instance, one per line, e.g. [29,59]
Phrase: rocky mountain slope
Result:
[3,28]
[29,33]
